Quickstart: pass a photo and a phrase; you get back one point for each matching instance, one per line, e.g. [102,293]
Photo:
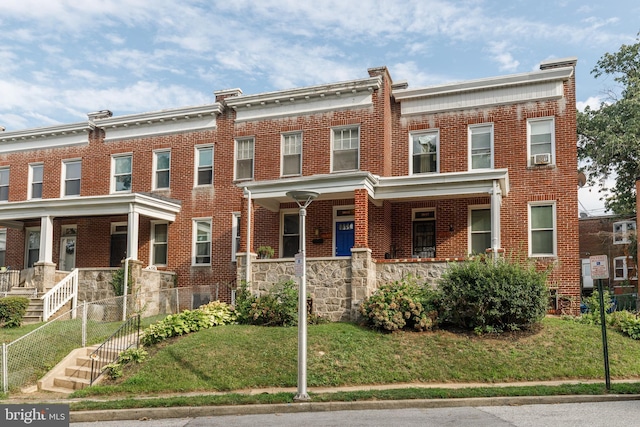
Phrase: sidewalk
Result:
[185,412]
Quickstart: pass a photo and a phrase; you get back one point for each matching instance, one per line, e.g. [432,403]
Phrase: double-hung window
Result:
[542,229]
[480,230]
[161,169]
[202,241]
[4,184]
[235,234]
[290,234]
[346,149]
[3,246]
[424,152]
[244,158]
[72,175]
[204,165]
[121,167]
[541,141]
[481,146]
[36,176]
[159,243]
[292,154]
[623,268]
[623,232]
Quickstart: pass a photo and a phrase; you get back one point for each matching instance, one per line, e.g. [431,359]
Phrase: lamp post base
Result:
[301,397]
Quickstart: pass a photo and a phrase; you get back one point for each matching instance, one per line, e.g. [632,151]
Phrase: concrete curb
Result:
[208,411]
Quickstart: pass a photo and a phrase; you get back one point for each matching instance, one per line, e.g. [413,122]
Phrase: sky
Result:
[61,59]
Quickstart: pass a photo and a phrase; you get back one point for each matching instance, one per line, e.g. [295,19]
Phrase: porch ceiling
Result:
[270,194]
[13,213]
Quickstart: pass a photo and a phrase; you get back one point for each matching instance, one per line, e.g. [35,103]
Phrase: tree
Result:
[609,137]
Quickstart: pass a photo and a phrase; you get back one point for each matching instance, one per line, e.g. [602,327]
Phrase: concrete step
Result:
[71,383]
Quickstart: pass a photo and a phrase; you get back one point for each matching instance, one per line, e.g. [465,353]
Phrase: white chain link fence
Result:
[28,358]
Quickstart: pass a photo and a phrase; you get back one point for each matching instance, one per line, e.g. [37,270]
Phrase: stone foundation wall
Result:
[428,272]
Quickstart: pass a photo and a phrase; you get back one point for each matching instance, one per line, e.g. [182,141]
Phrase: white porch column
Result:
[46,239]
[133,222]
[496,201]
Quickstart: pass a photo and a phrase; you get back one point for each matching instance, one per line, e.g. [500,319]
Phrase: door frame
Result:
[343,213]
[63,236]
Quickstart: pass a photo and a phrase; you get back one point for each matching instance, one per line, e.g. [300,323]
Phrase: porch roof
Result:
[271,193]
[12,214]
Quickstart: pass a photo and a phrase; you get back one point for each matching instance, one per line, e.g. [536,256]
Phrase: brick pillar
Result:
[363,278]
[361,219]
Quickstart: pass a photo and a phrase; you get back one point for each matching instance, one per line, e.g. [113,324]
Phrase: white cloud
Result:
[500,53]
[593,102]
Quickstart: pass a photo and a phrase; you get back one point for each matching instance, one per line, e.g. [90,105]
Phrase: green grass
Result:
[339,354]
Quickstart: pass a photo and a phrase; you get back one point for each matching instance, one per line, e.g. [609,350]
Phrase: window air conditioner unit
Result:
[541,159]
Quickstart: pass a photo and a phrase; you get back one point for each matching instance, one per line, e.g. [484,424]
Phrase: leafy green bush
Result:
[12,310]
[279,307]
[403,304]
[626,322]
[592,316]
[206,316]
[484,296]
[115,370]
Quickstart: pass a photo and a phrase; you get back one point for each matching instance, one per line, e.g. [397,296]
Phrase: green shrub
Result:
[209,315]
[279,307]
[592,316]
[12,311]
[487,296]
[131,355]
[626,322]
[403,304]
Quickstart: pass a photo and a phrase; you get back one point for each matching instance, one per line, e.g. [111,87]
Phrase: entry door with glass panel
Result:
[68,248]
[345,237]
[424,234]
[32,247]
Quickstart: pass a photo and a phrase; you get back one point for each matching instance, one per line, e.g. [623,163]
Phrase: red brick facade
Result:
[379,194]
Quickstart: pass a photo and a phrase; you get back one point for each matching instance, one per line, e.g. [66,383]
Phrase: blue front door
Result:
[345,238]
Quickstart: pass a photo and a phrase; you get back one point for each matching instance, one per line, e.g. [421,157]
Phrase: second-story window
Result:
[121,167]
[204,165]
[36,175]
[4,184]
[346,149]
[72,175]
[424,152]
[244,158]
[541,137]
[292,154]
[623,232]
[481,146]
[162,167]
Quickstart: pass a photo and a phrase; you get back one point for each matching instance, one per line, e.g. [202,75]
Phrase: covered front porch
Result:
[364,230]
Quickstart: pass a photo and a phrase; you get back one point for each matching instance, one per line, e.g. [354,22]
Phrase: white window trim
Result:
[331,150]
[424,132]
[235,158]
[194,241]
[8,169]
[112,188]
[152,243]
[155,169]
[196,164]
[27,231]
[414,219]
[63,177]
[472,208]
[30,184]
[115,225]
[235,231]
[551,203]
[625,271]
[282,141]
[284,212]
[3,238]
[553,138]
[491,147]
[625,232]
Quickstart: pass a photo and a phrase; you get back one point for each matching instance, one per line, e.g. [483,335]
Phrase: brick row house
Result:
[407,180]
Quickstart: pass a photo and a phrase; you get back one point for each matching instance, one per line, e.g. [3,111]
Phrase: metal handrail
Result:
[127,335]
[66,290]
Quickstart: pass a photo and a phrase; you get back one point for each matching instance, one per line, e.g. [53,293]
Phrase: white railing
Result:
[66,290]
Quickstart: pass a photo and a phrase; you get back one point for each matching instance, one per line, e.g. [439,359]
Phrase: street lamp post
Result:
[303,199]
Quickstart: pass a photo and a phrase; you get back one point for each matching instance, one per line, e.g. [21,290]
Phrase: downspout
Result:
[247,193]
[495,220]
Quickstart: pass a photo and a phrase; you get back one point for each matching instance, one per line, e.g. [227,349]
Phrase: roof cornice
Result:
[184,113]
[552,74]
[45,137]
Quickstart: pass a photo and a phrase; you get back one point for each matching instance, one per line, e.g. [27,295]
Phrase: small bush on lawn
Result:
[206,316]
[403,304]
[592,316]
[12,310]
[626,322]
[484,296]
[279,307]
[131,355]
